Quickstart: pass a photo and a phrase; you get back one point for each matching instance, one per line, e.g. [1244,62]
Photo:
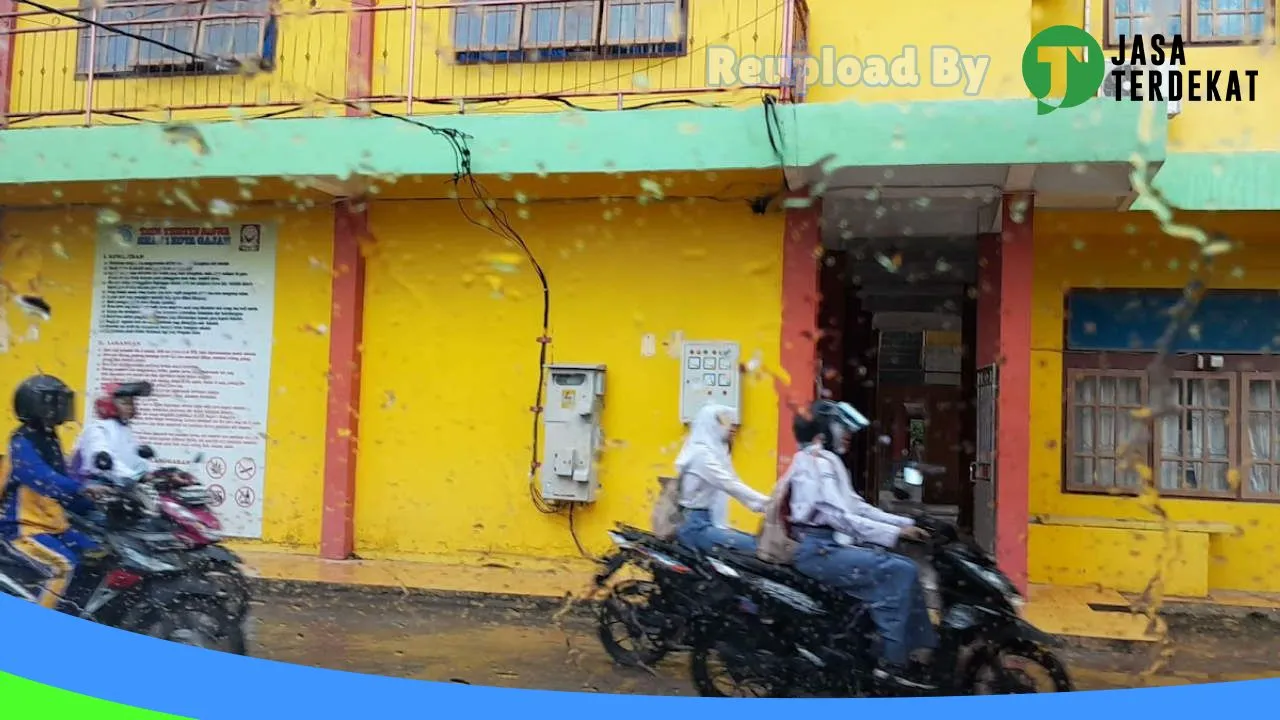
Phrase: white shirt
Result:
[822,496]
[708,483]
[114,438]
[707,478]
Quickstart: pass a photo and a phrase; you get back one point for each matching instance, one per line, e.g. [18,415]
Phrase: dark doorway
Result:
[897,322]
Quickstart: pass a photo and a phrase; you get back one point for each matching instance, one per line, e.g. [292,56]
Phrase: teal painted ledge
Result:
[1219,181]
[699,139]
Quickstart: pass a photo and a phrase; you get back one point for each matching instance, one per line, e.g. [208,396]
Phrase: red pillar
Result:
[801,249]
[834,310]
[342,426]
[1006,280]
[346,322]
[8,23]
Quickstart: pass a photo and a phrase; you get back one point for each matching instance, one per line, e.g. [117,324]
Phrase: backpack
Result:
[774,543]
[667,517]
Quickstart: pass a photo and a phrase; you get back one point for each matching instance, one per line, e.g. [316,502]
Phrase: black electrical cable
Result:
[573,533]
[778,144]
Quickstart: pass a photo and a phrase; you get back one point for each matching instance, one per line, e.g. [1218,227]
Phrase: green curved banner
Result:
[23,698]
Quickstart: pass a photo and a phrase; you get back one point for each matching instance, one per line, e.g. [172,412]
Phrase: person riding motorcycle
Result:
[708,480]
[38,493]
[107,446]
[823,505]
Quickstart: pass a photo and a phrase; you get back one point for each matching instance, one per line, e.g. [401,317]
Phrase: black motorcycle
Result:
[640,622]
[808,639]
[137,580]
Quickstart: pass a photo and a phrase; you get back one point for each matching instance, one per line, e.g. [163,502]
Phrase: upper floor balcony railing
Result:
[162,60]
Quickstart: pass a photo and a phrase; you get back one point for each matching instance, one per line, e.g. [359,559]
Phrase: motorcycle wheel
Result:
[991,674]
[714,677]
[624,609]
[198,624]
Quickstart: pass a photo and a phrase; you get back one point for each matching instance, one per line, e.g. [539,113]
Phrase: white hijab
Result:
[709,433]
[706,432]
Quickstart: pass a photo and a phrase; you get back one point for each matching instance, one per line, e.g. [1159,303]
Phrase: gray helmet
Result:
[829,419]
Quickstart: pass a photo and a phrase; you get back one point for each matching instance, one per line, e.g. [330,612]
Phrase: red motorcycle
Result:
[183,510]
[186,505]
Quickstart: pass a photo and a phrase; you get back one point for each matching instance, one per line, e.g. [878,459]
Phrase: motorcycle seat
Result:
[784,574]
[670,547]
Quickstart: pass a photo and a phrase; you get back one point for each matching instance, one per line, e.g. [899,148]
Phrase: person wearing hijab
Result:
[108,446]
[708,480]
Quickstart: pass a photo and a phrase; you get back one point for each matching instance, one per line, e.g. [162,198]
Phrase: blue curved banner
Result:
[130,670]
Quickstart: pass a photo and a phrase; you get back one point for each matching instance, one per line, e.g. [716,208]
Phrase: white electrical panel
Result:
[709,374]
[571,432]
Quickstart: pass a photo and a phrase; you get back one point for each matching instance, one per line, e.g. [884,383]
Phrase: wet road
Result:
[530,647]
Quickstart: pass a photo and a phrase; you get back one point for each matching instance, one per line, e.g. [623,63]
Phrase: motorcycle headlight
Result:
[1000,583]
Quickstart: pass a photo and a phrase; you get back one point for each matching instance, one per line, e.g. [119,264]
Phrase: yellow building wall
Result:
[311,69]
[746,27]
[311,60]
[1106,250]
[450,359]
[1201,126]
[56,247]
[998,29]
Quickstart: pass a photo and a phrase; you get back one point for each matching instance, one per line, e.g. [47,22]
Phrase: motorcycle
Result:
[186,505]
[656,615]
[137,580]
[813,640]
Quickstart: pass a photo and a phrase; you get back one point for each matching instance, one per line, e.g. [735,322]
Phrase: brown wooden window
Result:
[1198,21]
[1194,443]
[214,36]
[1102,421]
[568,30]
[1260,436]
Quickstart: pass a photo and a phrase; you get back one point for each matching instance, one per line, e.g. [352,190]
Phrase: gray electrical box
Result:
[709,374]
[571,432]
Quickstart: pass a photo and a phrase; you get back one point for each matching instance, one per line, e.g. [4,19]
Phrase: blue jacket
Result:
[38,493]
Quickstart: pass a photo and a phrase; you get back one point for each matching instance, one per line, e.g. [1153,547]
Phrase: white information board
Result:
[189,308]
[709,373]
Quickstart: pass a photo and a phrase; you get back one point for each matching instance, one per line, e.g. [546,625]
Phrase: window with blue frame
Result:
[1123,320]
[1197,21]
[575,29]
[1220,438]
[198,36]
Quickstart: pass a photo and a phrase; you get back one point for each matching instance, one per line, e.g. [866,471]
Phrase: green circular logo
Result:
[1084,77]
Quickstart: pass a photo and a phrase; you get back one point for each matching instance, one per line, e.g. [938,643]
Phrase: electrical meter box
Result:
[709,374]
[571,432]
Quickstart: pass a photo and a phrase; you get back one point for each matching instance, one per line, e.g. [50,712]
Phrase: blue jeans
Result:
[55,557]
[699,533]
[888,584]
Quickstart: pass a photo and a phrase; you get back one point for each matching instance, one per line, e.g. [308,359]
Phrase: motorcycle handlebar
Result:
[940,531]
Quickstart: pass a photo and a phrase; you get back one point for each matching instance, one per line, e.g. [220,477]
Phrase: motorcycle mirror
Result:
[102,461]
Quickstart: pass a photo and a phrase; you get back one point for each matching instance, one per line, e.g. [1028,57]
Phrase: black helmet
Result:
[43,400]
[828,419]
